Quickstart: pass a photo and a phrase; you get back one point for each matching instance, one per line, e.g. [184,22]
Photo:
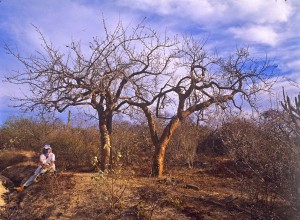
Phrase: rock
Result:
[22,205]
[11,157]
[17,173]
[230,199]
[6,182]
[190,186]
[168,181]
[3,191]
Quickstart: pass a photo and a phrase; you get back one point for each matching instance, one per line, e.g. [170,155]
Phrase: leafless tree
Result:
[98,76]
[196,82]
[165,78]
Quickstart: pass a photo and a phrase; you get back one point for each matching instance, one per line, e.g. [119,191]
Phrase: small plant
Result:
[176,202]
[113,183]
[145,211]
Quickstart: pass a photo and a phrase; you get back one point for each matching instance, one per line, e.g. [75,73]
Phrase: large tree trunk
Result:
[161,146]
[162,142]
[109,128]
[105,147]
[158,160]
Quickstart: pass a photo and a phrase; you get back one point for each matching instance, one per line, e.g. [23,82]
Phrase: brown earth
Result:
[199,193]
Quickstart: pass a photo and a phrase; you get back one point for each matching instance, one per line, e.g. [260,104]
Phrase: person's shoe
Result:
[37,179]
[20,188]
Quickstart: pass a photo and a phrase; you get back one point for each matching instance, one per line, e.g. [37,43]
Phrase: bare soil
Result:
[206,192]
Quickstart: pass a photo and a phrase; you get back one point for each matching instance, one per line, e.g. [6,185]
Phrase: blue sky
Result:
[267,26]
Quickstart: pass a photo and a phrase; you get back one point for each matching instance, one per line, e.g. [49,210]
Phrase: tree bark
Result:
[109,128]
[105,146]
[161,146]
[158,160]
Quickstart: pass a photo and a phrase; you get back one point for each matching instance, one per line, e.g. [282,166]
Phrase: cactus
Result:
[293,110]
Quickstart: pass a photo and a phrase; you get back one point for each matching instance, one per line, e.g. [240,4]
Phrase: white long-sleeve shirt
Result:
[46,161]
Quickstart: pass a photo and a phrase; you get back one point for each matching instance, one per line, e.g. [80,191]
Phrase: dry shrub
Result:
[18,132]
[74,148]
[133,143]
[228,168]
[212,144]
[183,146]
[268,160]
[26,133]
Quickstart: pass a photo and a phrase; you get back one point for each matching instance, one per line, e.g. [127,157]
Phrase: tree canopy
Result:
[165,77]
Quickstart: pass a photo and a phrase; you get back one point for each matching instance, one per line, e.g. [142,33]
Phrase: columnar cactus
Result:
[293,109]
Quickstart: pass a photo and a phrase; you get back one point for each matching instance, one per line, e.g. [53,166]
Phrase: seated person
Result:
[46,164]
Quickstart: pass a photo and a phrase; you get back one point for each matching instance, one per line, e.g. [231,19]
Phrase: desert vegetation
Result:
[150,149]
[252,164]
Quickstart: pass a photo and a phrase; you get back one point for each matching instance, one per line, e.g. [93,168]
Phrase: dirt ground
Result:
[198,193]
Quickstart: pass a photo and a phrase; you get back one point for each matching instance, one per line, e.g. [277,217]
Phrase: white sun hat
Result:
[47,146]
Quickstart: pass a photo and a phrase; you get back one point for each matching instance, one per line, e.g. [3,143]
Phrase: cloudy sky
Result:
[267,26]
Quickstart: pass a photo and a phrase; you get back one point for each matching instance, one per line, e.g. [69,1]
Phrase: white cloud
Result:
[261,11]
[216,11]
[255,21]
[231,23]
[61,21]
[258,34]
